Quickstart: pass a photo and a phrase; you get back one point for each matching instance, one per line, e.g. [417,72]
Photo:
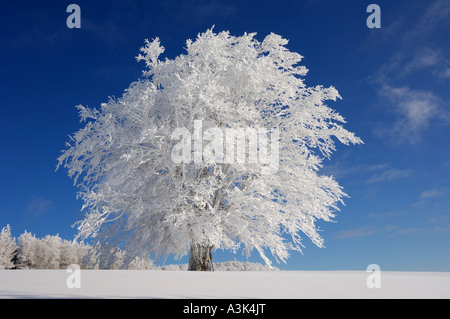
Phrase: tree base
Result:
[200,258]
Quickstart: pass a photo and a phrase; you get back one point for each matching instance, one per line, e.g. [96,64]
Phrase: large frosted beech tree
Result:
[159,174]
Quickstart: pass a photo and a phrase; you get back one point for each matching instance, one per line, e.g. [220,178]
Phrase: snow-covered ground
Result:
[244,284]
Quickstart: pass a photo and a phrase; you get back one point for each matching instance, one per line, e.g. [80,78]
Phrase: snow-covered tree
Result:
[67,255]
[159,170]
[8,248]
[49,252]
[27,256]
[72,253]
[141,264]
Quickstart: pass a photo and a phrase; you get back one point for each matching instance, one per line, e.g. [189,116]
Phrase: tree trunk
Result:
[200,258]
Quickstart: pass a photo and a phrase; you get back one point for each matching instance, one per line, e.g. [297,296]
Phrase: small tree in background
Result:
[158,172]
[8,248]
[27,256]
[50,252]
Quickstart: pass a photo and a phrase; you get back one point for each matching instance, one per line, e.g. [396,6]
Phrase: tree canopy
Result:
[154,167]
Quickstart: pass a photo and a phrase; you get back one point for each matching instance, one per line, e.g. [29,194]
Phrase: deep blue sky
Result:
[394,82]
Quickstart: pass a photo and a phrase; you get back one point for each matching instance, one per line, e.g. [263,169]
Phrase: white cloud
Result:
[417,54]
[389,175]
[436,16]
[344,168]
[406,231]
[372,173]
[444,74]
[391,230]
[433,193]
[39,205]
[415,110]
[424,58]
[355,233]
[426,195]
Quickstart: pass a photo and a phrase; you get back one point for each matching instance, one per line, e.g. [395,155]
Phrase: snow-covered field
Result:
[244,284]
